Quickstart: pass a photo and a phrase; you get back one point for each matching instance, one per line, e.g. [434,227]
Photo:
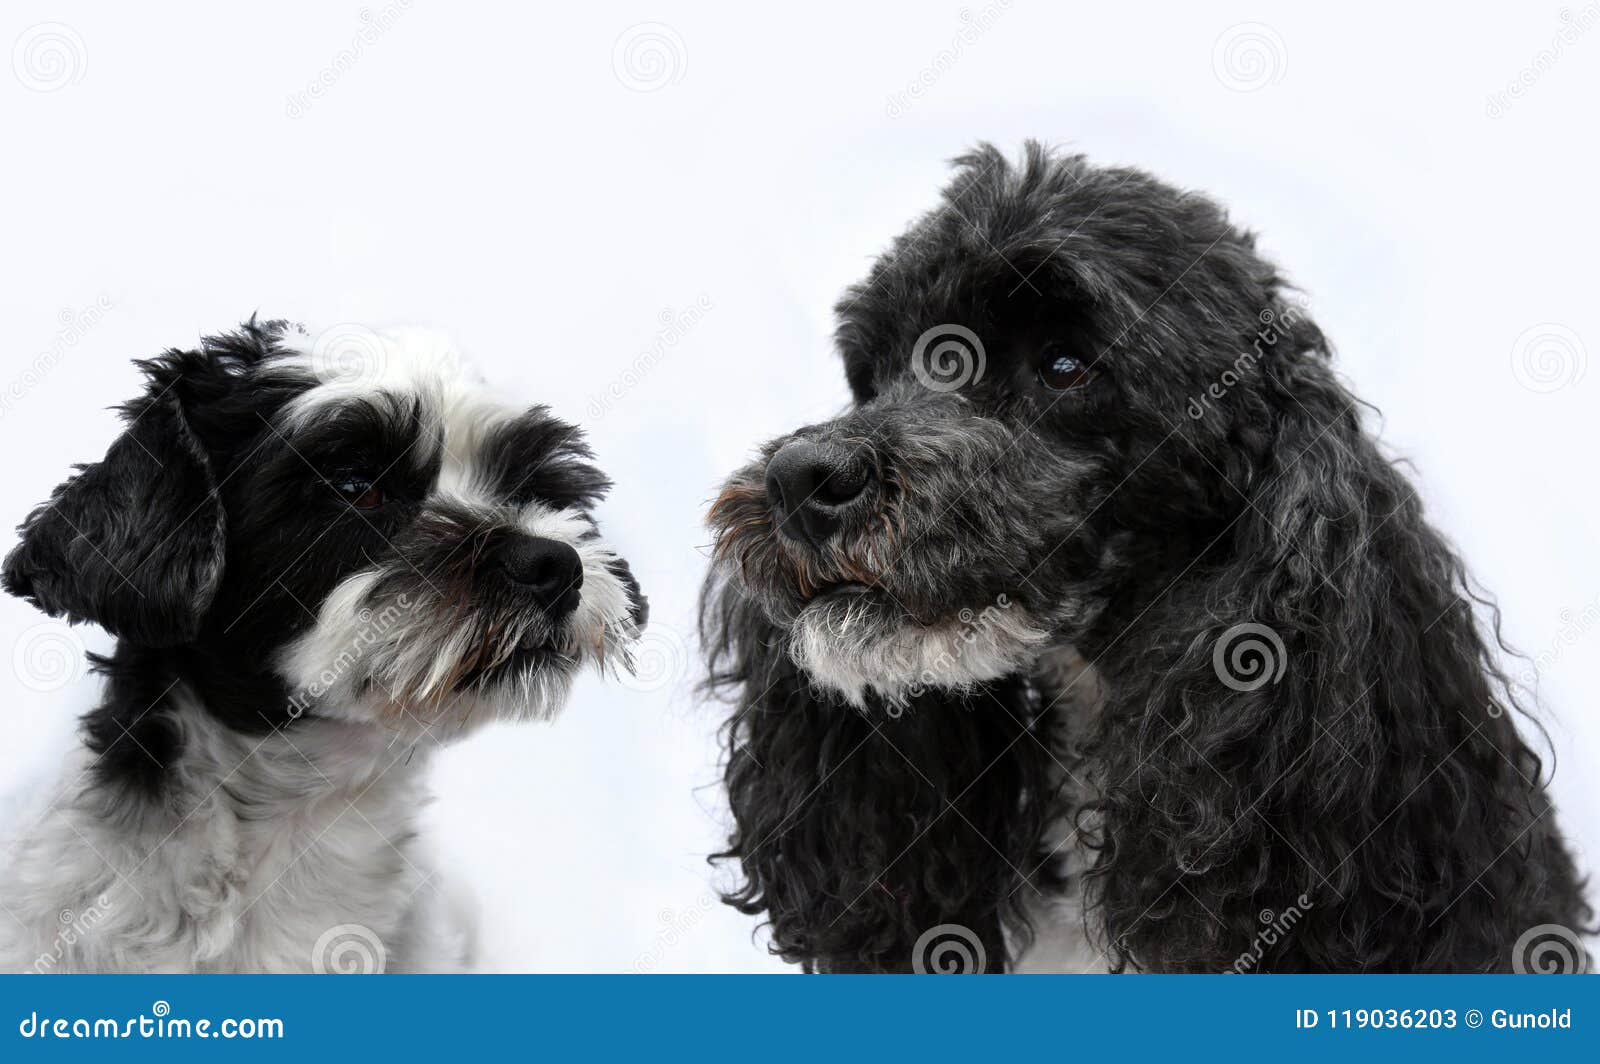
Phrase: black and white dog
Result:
[320,558]
[1099,622]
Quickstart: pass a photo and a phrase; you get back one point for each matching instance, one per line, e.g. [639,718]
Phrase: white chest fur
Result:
[1063,942]
[288,852]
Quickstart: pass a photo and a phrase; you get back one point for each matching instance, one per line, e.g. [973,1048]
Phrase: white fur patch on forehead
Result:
[352,363]
[573,527]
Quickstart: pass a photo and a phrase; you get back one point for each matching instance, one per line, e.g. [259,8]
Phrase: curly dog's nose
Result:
[811,486]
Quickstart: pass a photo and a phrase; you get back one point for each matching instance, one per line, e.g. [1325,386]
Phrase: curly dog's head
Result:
[1088,414]
[1021,361]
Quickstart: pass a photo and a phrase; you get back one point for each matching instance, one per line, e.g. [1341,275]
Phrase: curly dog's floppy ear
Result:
[133,542]
[1345,745]
[860,834]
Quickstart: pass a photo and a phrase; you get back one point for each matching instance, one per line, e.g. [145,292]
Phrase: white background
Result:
[552,184]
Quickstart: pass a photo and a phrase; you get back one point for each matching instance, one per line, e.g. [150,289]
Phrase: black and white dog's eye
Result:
[360,492]
[1061,372]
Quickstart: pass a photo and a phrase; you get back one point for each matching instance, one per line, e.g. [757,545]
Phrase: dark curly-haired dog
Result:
[1099,627]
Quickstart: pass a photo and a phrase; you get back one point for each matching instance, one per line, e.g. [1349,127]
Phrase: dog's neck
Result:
[239,688]
[316,758]
[172,720]
[1067,679]
[1072,692]
[260,843]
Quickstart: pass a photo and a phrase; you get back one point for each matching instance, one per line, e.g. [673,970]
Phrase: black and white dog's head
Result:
[346,525]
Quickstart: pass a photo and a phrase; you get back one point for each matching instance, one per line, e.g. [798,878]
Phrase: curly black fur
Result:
[869,837]
[1199,469]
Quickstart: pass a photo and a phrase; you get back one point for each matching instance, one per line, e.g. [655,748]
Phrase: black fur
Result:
[1206,471]
[134,541]
[872,830]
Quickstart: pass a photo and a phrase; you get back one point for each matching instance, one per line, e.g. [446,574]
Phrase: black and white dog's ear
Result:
[133,542]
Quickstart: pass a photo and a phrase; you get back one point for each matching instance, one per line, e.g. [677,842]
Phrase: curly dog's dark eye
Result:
[359,492]
[1061,372]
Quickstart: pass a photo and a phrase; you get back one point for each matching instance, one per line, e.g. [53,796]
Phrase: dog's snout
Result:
[549,569]
[811,486]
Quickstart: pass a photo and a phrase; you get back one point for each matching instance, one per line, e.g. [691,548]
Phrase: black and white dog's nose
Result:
[549,569]
[811,486]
